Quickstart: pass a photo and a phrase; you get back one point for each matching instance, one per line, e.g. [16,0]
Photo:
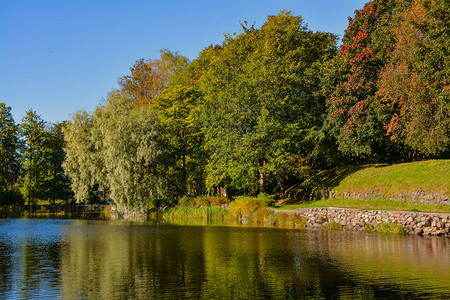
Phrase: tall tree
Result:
[263,103]
[149,78]
[415,84]
[83,162]
[9,153]
[354,116]
[177,108]
[130,152]
[388,86]
[57,183]
[35,156]
[116,151]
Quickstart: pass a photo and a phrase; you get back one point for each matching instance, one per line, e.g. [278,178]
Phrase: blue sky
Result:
[59,56]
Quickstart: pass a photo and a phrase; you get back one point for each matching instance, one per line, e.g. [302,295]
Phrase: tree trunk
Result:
[262,176]
[184,174]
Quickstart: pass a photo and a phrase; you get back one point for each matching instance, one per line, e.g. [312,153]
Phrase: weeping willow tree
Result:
[131,153]
[83,163]
[116,151]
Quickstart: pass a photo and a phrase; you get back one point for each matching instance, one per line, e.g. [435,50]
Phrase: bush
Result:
[185,201]
[269,199]
[368,228]
[261,215]
[278,219]
[391,228]
[244,205]
[335,226]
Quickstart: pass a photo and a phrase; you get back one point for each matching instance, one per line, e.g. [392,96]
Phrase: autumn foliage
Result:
[272,109]
[414,83]
[388,86]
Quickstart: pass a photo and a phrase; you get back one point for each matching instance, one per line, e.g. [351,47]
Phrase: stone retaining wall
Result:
[437,224]
[419,196]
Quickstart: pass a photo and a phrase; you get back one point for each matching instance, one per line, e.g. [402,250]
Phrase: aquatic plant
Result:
[335,226]
[202,212]
[391,228]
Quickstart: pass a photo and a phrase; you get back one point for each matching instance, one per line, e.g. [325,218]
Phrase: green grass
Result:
[202,212]
[430,176]
[334,226]
[375,204]
[390,228]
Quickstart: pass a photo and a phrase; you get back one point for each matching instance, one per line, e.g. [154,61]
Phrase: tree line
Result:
[271,110]
[31,156]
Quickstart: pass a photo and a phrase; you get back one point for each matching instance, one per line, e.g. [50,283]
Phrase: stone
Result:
[418,231]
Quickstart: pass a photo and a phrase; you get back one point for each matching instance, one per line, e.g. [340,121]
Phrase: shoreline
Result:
[325,218]
[413,223]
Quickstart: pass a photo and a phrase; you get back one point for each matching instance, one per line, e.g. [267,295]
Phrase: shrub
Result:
[244,205]
[299,221]
[368,228]
[261,215]
[268,199]
[279,219]
[334,226]
[185,201]
[391,228]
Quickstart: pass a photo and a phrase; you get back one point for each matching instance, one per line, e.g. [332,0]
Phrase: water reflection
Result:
[30,258]
[115,260]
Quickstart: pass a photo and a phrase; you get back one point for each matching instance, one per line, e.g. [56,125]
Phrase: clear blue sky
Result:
[58,56]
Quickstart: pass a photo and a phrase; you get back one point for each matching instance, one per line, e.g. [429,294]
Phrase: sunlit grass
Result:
[391,228]
[430,176]
[202,212]
[381,204]
[48,202]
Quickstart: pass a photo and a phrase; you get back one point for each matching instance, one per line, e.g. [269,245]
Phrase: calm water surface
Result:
[72,259]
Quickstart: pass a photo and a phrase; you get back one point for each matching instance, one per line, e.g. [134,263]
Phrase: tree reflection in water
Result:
[117,259]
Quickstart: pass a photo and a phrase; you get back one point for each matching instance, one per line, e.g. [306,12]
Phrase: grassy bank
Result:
[375,204]
[194,212]
[429,176]
[243,210]
[256,212]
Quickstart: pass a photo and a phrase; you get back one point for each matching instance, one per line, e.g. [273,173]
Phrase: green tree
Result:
[355,118]
[83,163]
[177,108]
[35,156]
[149,78]
[130,152]
[263,103]
[116,151]
[414,85]
[57,185]
[9,155]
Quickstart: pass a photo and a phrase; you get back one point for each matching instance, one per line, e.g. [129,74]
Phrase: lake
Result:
[72,259]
